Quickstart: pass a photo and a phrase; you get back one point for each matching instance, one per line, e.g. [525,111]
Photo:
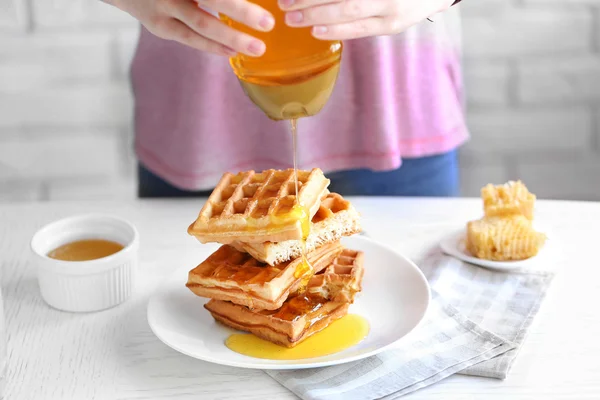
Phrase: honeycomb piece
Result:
[503,238]
[511,198]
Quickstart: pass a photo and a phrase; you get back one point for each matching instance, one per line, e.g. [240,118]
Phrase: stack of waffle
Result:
[258,280]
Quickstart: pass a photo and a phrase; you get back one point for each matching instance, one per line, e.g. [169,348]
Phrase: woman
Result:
[391,127]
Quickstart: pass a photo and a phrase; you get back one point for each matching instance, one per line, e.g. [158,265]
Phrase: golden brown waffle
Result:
[511,198]
[503,239]
[298,319]
[259,207]
[326,299]
[341,280]
[335,218]
[231,275]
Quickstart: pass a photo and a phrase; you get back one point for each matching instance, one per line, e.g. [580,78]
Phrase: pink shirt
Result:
[396,96]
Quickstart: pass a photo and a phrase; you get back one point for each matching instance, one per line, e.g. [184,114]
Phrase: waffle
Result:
[512,198]
[298,319]
[503,239]
[335,218]
[302,315]
[231,275]
[341,280]
[260,207]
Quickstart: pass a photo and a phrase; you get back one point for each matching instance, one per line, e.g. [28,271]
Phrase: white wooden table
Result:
[113,355]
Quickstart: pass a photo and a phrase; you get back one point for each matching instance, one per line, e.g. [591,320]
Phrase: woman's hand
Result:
[350,19]
[185,22]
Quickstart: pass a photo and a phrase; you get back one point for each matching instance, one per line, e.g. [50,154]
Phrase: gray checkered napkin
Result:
[476,323]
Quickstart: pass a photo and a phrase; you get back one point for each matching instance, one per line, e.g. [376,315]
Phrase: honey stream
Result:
[304,270]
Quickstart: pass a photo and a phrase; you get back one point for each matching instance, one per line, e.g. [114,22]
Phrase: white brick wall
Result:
[53,154]
[530,131]
[488,83]
[597,41]
[73,14]
[13,16]
[33,62]
[533,86]
[65,103]
[567,80]
[516,31]
[532,72]
[81,104]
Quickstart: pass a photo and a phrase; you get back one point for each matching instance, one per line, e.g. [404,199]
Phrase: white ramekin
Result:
[83,286]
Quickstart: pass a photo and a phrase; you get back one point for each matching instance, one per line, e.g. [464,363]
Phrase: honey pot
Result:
[294,78]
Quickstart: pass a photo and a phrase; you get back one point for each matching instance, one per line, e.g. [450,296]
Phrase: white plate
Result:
[454,245]
[394,300]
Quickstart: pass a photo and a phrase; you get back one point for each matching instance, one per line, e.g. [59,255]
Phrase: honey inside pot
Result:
[85,250]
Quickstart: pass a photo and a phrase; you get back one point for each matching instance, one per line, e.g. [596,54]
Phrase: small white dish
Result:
[84,286]
[455,245]
[394,300]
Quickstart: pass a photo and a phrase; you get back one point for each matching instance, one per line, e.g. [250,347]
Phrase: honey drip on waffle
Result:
[303,304]
[304,269]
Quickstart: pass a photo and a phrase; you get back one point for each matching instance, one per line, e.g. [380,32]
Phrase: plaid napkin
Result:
[475,325]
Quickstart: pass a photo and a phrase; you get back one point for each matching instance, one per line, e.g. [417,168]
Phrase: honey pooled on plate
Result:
[342,334]
[85,250]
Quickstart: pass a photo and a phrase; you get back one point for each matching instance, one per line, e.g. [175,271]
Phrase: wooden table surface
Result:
[113,354]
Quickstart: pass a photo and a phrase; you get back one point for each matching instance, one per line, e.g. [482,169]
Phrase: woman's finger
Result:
[180,32]
[337,13]
[243,12]
[353,30]
[212,28]
[290,5]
